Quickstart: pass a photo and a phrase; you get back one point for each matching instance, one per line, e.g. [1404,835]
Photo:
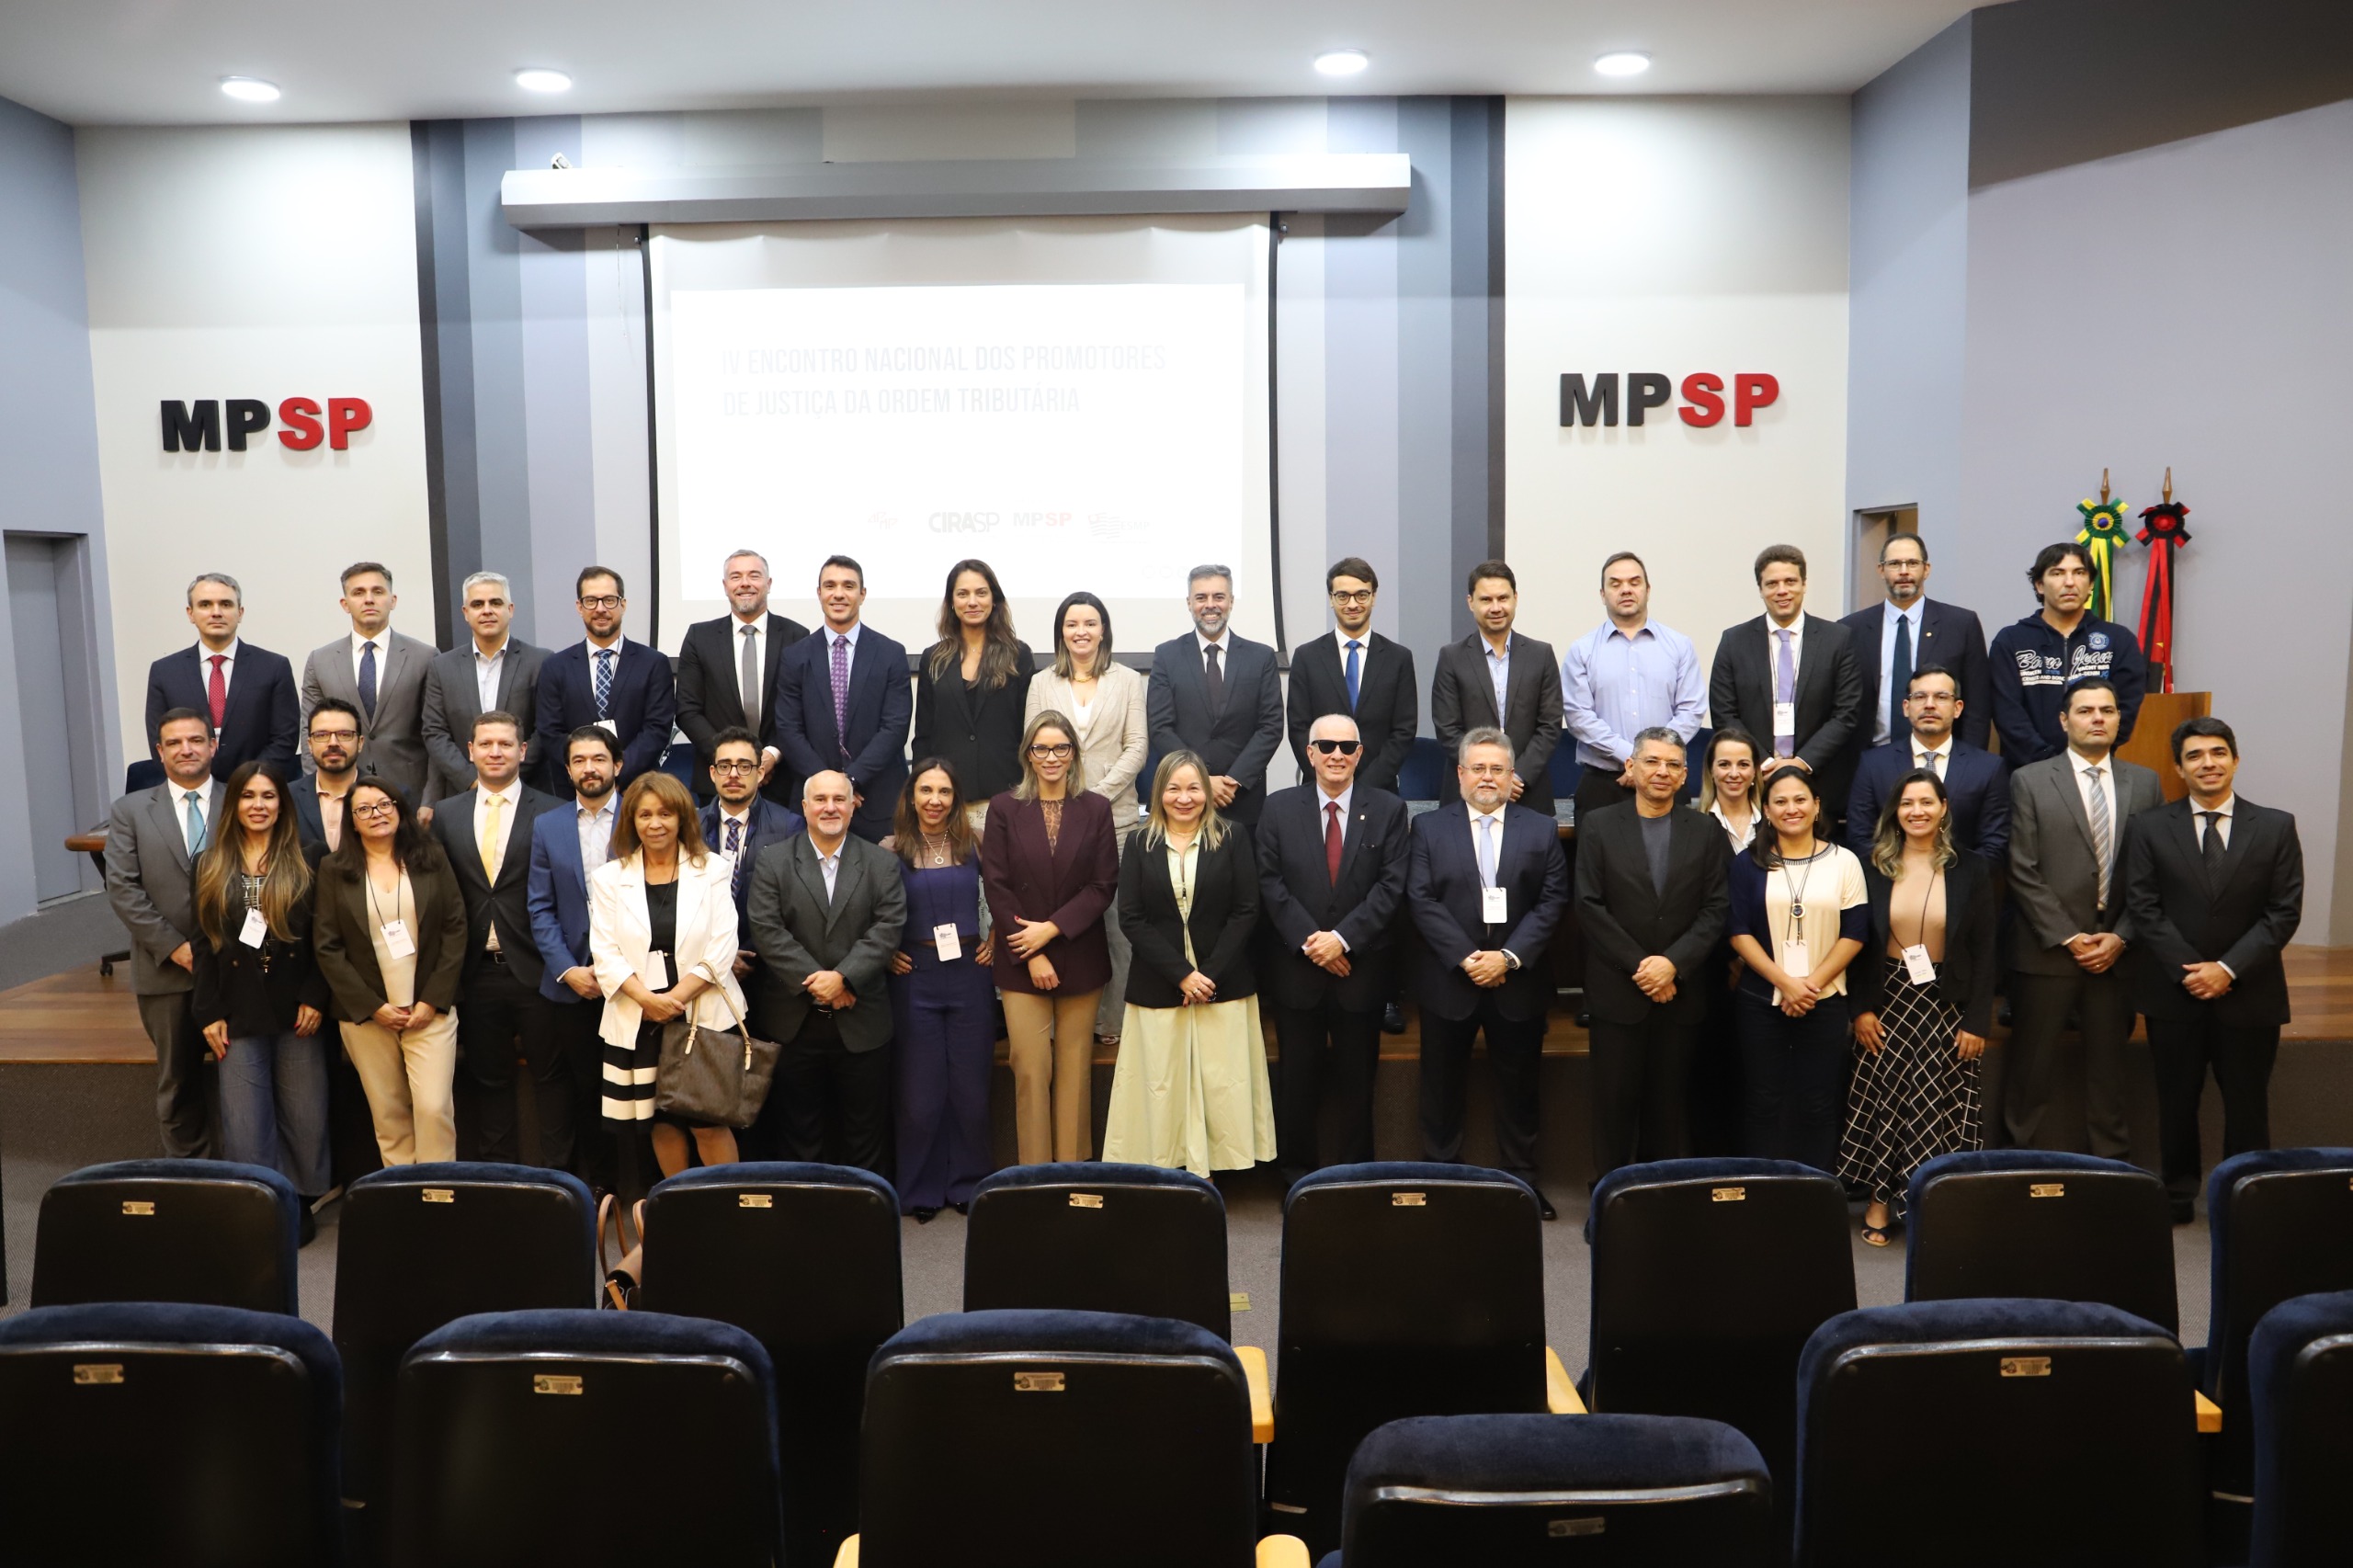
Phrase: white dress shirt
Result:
[1480,859]
[831,865]
[383,641]
[755,702]
[2221,823]
[509,800]
[1939,758]
[1343,799]
[595,829]
[203,800]
[1773,629]
[2083,771]
[1887,658]
[488,668]
[204,657]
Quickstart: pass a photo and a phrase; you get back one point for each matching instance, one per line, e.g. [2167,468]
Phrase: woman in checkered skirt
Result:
[1924,999]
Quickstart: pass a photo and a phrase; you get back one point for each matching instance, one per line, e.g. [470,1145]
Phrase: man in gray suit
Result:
[2070,927]
[1497,678]
[381,673]
[825,909]
[152,839]
[1215,693]
[495,673]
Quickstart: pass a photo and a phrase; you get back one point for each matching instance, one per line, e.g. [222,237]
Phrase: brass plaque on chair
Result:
[1728,1195]
[1409,1200]
[1237,1301]
[2047,1189]
[139,1207]
[556,1382]
[1087,1200]
[1560,1527]
[1038,1382]
[755,1200]
[87,1374]
[2026,1365]
[440,1194]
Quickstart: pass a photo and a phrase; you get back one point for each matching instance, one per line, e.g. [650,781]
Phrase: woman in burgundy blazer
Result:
[1051,868]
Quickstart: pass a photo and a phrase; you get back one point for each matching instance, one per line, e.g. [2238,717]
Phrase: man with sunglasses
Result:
[1333,855]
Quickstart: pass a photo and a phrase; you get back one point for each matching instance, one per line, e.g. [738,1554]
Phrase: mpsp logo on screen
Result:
[1594,402]
[199,425]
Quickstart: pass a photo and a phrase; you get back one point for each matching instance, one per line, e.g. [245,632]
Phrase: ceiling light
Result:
[1342,62]
[1623,62]
[534,79]
[249,89]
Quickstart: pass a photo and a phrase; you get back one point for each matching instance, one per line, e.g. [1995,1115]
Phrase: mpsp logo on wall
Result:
[199,426]
[1596,402]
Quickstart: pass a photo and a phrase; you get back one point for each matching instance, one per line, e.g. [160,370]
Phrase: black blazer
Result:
[1387,711]
[1225,912]
[347,954]
[505,905]
[1462,697]
[1443,893]
[263,718]
[1829,694]
[644,704]
[1299,897]
[710,699]
[1237,740]
[258,989]
[2179,918]
[1626,920]
[977,729]
[1966,977]
[879,710]
[1977,790]
[1949,636]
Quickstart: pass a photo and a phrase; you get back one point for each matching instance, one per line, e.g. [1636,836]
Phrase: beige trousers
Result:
[407,1076]
[1051,1039]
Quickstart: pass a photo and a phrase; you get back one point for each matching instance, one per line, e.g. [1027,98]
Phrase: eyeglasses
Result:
[344,735]
[1342,748]
[1044,752]
[376,809]
[600,601]
[733,767]
[1659,764]
[1361,597]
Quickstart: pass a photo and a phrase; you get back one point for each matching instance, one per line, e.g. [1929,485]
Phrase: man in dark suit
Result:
[607,680]
[1908,631]
[1651,899]
[1488,886]
[1356,671]
[826,911]
[844,701]
[2216,886]
[1332,861]
[336,736]
[1791,679]
[1496,678]
[1215,693]
[487,833]
[1977,786]
[153,838]
[249,692]
[727,671]
[567,843]
[740,821]
[381,674]
[2069,821]
[495,670]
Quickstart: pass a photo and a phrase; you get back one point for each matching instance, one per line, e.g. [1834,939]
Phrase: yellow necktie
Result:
[489,837]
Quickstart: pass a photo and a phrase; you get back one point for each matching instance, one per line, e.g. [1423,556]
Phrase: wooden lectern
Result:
[2151,742]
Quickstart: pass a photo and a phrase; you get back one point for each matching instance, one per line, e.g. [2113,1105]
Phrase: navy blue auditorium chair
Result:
[163,1433]
[423,1246]
[1407,1290]
[1543,1491]
[586,1439]
[1059,1439]
[2034,1434]
[2030,1222]
[805,1259]
[207,1232]
[1709,1277]
[2300,1385]
[1086,1236]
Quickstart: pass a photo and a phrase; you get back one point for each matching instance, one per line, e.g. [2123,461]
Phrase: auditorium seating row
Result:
[2029,1402]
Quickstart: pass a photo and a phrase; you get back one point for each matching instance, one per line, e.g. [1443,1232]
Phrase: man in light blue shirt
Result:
[1628,674]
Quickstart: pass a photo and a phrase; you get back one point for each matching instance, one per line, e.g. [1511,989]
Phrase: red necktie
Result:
[1331,840]
[217,692]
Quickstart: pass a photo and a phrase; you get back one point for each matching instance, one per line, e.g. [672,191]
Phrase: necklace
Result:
[936,846]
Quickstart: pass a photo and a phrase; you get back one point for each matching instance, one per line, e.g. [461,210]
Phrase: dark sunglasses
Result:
[1345,748]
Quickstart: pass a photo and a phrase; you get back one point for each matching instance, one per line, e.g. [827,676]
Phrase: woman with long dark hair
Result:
[943,997]
[971,696]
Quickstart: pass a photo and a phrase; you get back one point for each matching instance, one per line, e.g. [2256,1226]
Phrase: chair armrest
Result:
[848,1556]
[2209,1415]
[1262,1397]
[1560,1393]
[1283,1551]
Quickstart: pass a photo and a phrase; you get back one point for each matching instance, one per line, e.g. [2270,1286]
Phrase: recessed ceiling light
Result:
[535,79]
[249,89]
[1342,62]
[1623,62]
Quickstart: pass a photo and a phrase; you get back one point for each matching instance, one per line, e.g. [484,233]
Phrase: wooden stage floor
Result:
[79,1017]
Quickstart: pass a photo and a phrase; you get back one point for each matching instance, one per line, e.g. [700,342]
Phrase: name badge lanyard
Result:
[1918,965]
[1794,946]
[396,930]
[945,938]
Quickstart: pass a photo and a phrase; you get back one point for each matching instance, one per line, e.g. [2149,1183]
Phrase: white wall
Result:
[1675,235]
[263,262]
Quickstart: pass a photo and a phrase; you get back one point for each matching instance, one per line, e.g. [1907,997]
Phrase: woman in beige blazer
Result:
[662,942]
[1106,701]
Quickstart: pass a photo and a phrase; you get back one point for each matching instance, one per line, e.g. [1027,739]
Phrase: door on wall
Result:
[49,604]
[1872,529]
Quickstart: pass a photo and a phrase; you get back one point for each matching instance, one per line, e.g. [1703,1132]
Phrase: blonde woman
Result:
[1191,1089]
[1728,785]
[1104,702]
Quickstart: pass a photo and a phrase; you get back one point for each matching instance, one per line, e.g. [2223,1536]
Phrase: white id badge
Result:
[944,939]
[1796,962]
[658,973]
[1919,965]
[1493,906]
[396,939]
[611,728]
[256,929]
[1785,718]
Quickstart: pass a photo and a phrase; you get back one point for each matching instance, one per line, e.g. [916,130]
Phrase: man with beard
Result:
[336,737]
[727,672]
[623,687]
[1215,693]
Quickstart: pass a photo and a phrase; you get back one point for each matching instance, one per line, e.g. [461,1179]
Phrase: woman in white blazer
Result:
[1106,701]
[661,941]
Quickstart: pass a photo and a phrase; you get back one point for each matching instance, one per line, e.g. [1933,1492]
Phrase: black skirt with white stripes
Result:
[1914,1099]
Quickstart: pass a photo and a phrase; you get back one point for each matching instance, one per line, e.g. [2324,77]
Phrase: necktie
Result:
[2213,849]
[1899,682]
[735,849]
[367,679]
[604,683]
[1331,840]
[748,676]
[1785,690]
[490,836]
[1354,668]
[1213,679]
[1487,850]
[2102,827]
[841,695]
[216,692]
[1934,761]
[195,827]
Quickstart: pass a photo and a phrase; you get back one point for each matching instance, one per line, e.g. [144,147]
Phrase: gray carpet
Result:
[66,935]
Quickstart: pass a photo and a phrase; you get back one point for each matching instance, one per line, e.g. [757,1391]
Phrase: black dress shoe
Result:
[310,1225]
[925,1215]
[2185,1212]
[1393,1018]
[1544,1204]
[961,1208]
